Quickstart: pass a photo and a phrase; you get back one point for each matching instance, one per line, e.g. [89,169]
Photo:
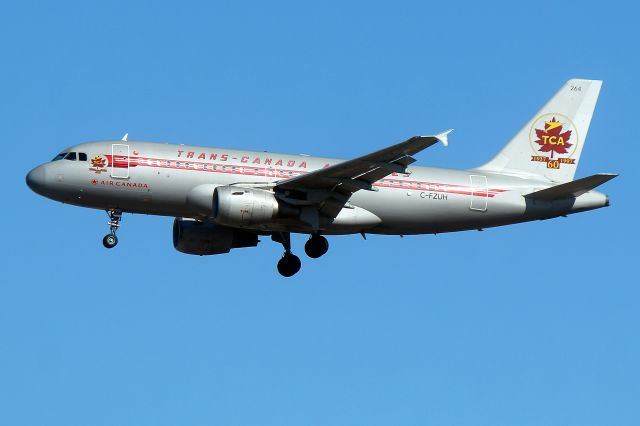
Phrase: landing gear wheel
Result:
[316,246]
[110,241]
[289,265]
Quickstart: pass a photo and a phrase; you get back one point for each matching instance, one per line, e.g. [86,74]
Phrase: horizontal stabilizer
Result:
[572,189]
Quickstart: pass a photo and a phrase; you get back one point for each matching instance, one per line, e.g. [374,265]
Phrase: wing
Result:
[330,188]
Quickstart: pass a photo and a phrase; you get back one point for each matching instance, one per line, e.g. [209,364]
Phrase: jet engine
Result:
[238,206]
[201,238]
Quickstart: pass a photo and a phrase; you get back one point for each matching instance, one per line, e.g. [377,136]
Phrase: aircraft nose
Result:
[36,179]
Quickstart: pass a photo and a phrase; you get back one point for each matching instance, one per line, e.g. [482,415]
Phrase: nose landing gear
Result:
[110,240]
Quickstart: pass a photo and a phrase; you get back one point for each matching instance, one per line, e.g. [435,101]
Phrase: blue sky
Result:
[530,324]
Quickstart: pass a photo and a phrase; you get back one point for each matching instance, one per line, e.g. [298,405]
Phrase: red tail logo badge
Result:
[555,135]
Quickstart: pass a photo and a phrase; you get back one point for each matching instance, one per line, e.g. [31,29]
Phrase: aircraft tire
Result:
[110,241]
[289,265]
[316,246]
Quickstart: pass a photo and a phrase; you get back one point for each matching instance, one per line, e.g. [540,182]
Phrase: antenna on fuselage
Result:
[125,137]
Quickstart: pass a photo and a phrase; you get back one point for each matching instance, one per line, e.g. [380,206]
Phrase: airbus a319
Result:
[224,199]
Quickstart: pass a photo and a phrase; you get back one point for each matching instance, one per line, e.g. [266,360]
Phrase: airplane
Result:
[223,199]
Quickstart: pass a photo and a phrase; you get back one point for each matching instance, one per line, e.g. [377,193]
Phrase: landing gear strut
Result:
[289,264]
[110,240]
[316,246]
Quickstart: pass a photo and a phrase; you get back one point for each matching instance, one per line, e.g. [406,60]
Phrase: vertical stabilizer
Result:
[550,144]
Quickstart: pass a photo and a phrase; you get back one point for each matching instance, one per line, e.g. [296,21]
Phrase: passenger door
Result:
[479,193]
[120,161]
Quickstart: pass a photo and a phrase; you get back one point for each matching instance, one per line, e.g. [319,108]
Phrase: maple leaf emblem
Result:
[98,162]
[552,139]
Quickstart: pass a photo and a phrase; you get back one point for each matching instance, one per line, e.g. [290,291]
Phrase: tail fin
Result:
[550,144]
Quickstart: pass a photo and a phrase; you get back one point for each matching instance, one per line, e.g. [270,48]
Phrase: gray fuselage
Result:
[155,178]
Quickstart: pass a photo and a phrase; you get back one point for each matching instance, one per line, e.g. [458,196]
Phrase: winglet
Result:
[443,137]
[125,137]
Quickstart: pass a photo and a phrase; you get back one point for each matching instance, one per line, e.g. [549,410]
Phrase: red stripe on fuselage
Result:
[121,162]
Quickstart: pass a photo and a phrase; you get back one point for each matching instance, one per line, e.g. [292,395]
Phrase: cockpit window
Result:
[70,156]
[59,156]
[82,156]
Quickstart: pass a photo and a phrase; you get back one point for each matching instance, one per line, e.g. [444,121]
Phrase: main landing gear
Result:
[316,246]
[110,240]
[289,264]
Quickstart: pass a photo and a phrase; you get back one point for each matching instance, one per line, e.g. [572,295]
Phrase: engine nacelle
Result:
[201,238]
[237,206]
